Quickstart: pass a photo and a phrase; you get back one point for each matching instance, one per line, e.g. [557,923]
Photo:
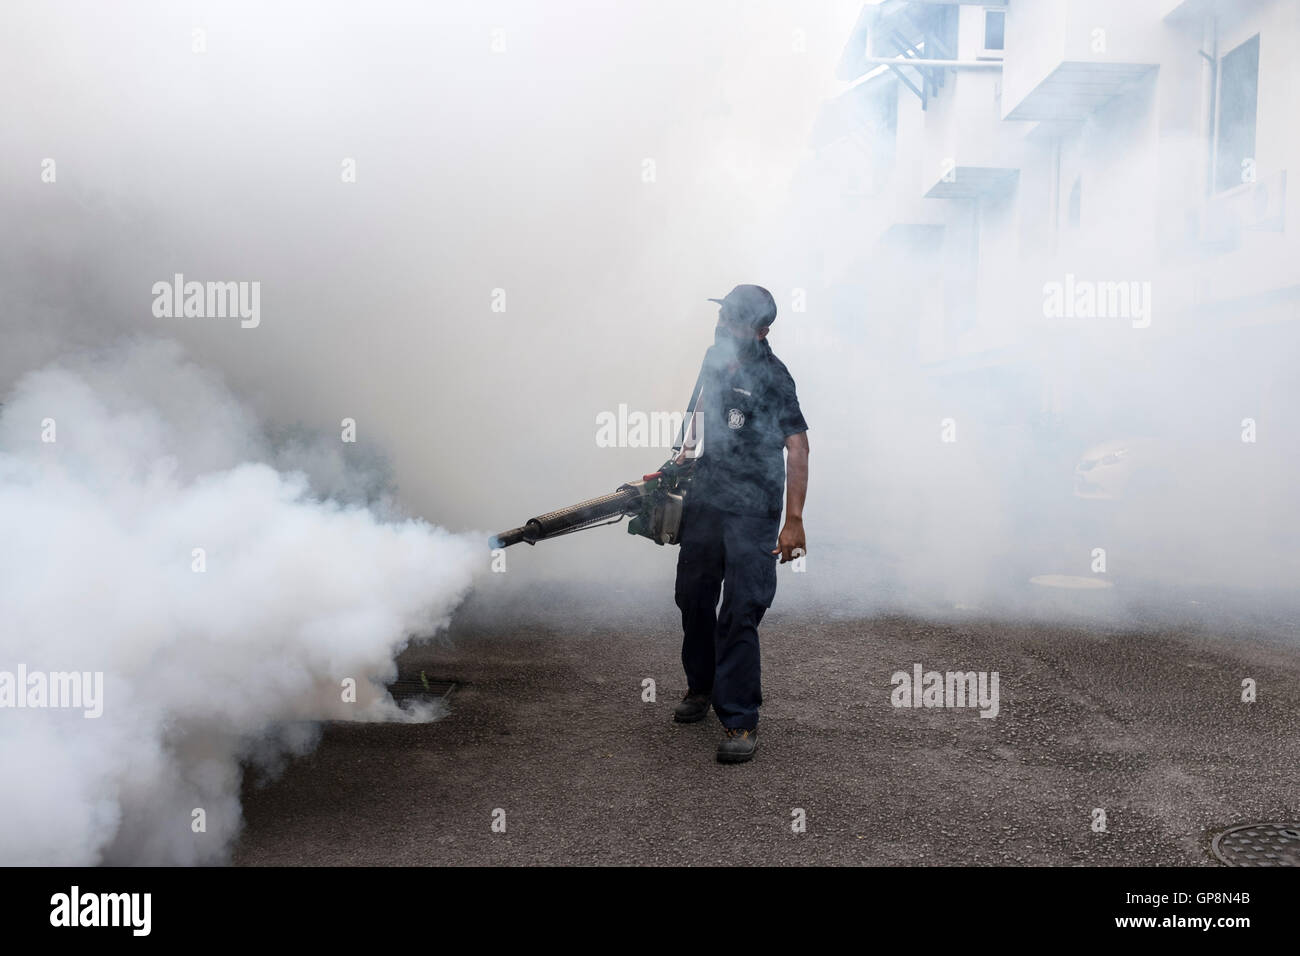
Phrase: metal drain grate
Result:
[1259,844]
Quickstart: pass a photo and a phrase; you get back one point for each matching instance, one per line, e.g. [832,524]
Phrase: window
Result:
[995,24]
[1238,92]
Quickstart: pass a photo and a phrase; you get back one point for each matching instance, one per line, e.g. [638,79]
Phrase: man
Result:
[750,413]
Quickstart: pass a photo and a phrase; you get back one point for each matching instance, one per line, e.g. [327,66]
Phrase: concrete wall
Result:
[1035,46]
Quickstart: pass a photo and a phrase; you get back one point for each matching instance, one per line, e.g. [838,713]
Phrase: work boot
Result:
[738,746]
[694,707]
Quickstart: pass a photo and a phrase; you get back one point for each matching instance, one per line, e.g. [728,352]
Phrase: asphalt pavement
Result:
[1142,730]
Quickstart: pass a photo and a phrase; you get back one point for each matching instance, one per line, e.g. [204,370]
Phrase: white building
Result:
[1073,217]
[1069,141]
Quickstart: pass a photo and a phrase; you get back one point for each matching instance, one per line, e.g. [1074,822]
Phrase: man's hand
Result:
[791,540]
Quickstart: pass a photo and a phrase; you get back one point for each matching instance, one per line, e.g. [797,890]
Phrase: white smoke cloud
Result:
[152,458]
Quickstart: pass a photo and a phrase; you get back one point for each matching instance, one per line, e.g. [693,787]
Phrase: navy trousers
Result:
[720,649]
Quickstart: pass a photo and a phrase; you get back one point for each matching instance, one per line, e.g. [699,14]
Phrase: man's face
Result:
[739,330]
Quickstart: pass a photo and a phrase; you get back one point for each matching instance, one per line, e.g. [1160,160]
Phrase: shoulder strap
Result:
[690,409]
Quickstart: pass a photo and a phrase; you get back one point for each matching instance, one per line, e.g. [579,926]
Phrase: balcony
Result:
[1074,90]
[1068,58]
[973,182]
[968,151]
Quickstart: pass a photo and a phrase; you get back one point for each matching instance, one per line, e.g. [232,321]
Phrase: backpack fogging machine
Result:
[654,504]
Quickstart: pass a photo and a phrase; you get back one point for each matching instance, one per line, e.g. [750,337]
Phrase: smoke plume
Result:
[154,533]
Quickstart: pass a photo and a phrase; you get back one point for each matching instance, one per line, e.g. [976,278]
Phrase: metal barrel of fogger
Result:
[566,519]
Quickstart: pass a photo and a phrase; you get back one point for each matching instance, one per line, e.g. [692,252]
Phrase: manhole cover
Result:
[1071,582]
[1259,844]
[417,688]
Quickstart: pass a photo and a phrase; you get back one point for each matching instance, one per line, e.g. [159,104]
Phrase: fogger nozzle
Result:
[624,501]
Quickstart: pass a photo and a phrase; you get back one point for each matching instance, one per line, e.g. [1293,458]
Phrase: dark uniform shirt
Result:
[746,415]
